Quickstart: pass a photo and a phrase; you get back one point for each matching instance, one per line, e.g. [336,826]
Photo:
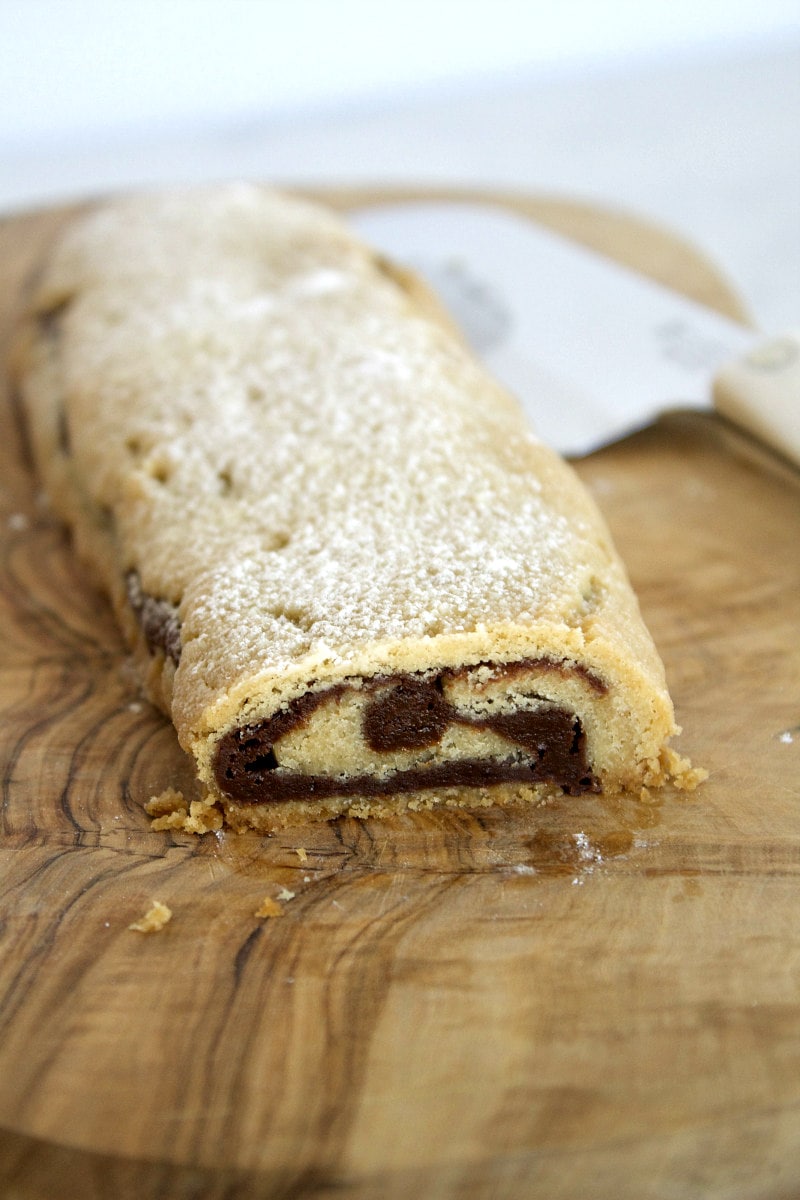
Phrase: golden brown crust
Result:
[243,414]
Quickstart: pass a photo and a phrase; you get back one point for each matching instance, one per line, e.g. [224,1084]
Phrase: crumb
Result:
[688,780]
[166,802]
[18,522]
[269,908]
[156,917]
[285,894]
[684,776]
[671,767]
[301,853]
[170,811]
[204,817]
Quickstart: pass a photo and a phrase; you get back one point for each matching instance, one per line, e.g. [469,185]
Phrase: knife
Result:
[593,350]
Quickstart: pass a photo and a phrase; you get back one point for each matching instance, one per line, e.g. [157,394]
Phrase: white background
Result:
[687,112]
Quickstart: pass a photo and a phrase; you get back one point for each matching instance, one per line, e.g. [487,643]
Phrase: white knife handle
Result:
[761,393]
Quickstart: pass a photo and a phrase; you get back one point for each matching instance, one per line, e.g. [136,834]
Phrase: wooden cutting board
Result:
[596,999]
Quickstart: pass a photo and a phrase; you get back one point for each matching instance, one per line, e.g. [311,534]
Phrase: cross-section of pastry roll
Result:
[348,569]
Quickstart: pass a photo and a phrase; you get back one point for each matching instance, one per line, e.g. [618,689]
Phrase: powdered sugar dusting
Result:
[290,452]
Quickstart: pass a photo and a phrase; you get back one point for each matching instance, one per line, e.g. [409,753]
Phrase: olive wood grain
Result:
[594,999]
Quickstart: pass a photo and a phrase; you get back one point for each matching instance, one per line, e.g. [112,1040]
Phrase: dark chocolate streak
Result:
[407,713]
[158,619]
[245,756]
[408,716]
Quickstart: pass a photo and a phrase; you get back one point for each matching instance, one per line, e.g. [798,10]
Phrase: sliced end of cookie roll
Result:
[349,570]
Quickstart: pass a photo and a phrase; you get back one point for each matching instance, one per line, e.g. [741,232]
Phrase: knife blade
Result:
[592,349]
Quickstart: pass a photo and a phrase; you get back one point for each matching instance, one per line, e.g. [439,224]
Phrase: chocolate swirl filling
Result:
[406,712]
[158,619]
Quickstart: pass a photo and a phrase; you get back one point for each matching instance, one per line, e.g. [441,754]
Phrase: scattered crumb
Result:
[673,768]
[301,853]
[156,917]
[18,522]
[269,907]
[787,737]
[285,894]
[166,802]
[170,811]
[204,817]
[684,776]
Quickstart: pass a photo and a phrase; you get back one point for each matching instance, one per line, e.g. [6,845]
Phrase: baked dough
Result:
[347,567]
